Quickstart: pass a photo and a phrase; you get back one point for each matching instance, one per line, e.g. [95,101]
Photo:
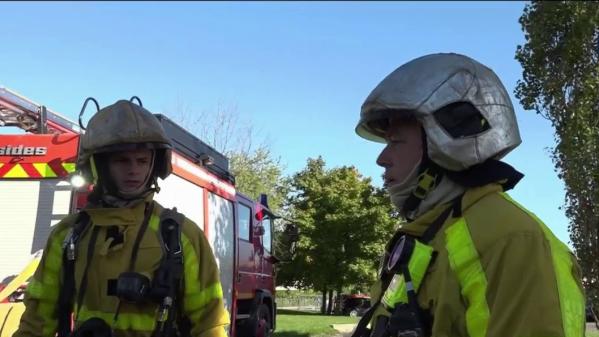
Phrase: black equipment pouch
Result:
[93,327]
[130,287]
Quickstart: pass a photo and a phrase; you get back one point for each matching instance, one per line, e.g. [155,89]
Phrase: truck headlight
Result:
[77,181]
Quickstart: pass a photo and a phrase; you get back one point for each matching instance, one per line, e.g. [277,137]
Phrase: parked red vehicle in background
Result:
[353,305]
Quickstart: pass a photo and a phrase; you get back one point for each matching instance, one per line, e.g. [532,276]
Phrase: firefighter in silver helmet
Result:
[468,260]
[124,265]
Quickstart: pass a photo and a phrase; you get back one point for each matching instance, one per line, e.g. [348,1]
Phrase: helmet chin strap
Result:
[424,177]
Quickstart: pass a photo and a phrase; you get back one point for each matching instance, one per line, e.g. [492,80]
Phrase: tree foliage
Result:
[255,168]
[344,223]
[560,61]
[259,172]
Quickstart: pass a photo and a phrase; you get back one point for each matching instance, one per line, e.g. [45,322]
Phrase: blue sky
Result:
[299,71]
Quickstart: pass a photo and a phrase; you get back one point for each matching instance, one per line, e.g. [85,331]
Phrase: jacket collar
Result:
[471,196]
[124,216]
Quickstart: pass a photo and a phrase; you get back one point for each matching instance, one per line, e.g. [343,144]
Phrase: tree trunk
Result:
[330,306]
[338,303]
[324,301]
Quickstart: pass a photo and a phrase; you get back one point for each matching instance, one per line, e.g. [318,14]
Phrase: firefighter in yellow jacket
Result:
[124,265]
[469,260]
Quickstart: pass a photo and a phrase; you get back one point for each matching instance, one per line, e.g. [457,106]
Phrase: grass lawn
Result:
[304,324]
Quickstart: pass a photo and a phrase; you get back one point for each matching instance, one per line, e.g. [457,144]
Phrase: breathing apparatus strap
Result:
[142,230]
[169,275]
[455,209]
[90,255]
[67,290]
[149,210]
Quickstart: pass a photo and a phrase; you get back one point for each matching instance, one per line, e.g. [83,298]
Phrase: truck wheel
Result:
[258,325]
[263,321]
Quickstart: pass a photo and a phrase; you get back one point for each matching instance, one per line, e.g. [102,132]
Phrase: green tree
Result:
[259,172]
[560,61]
[344,223]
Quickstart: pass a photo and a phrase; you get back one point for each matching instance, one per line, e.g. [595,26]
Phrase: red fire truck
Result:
[37,190]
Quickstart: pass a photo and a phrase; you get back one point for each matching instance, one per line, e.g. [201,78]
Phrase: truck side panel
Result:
[186,196]
[221,235]
[28,210]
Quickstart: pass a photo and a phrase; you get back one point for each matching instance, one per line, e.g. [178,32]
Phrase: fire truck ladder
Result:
[16,110]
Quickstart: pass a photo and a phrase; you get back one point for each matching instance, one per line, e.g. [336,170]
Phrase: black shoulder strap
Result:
[455,208]
[67,289]
[169,276]
[171,222]
[361,329]
[140,234]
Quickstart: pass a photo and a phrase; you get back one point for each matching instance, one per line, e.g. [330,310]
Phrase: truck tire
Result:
[258,325]
[263,322]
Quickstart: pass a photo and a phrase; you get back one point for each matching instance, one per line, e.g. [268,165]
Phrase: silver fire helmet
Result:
[462,105]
